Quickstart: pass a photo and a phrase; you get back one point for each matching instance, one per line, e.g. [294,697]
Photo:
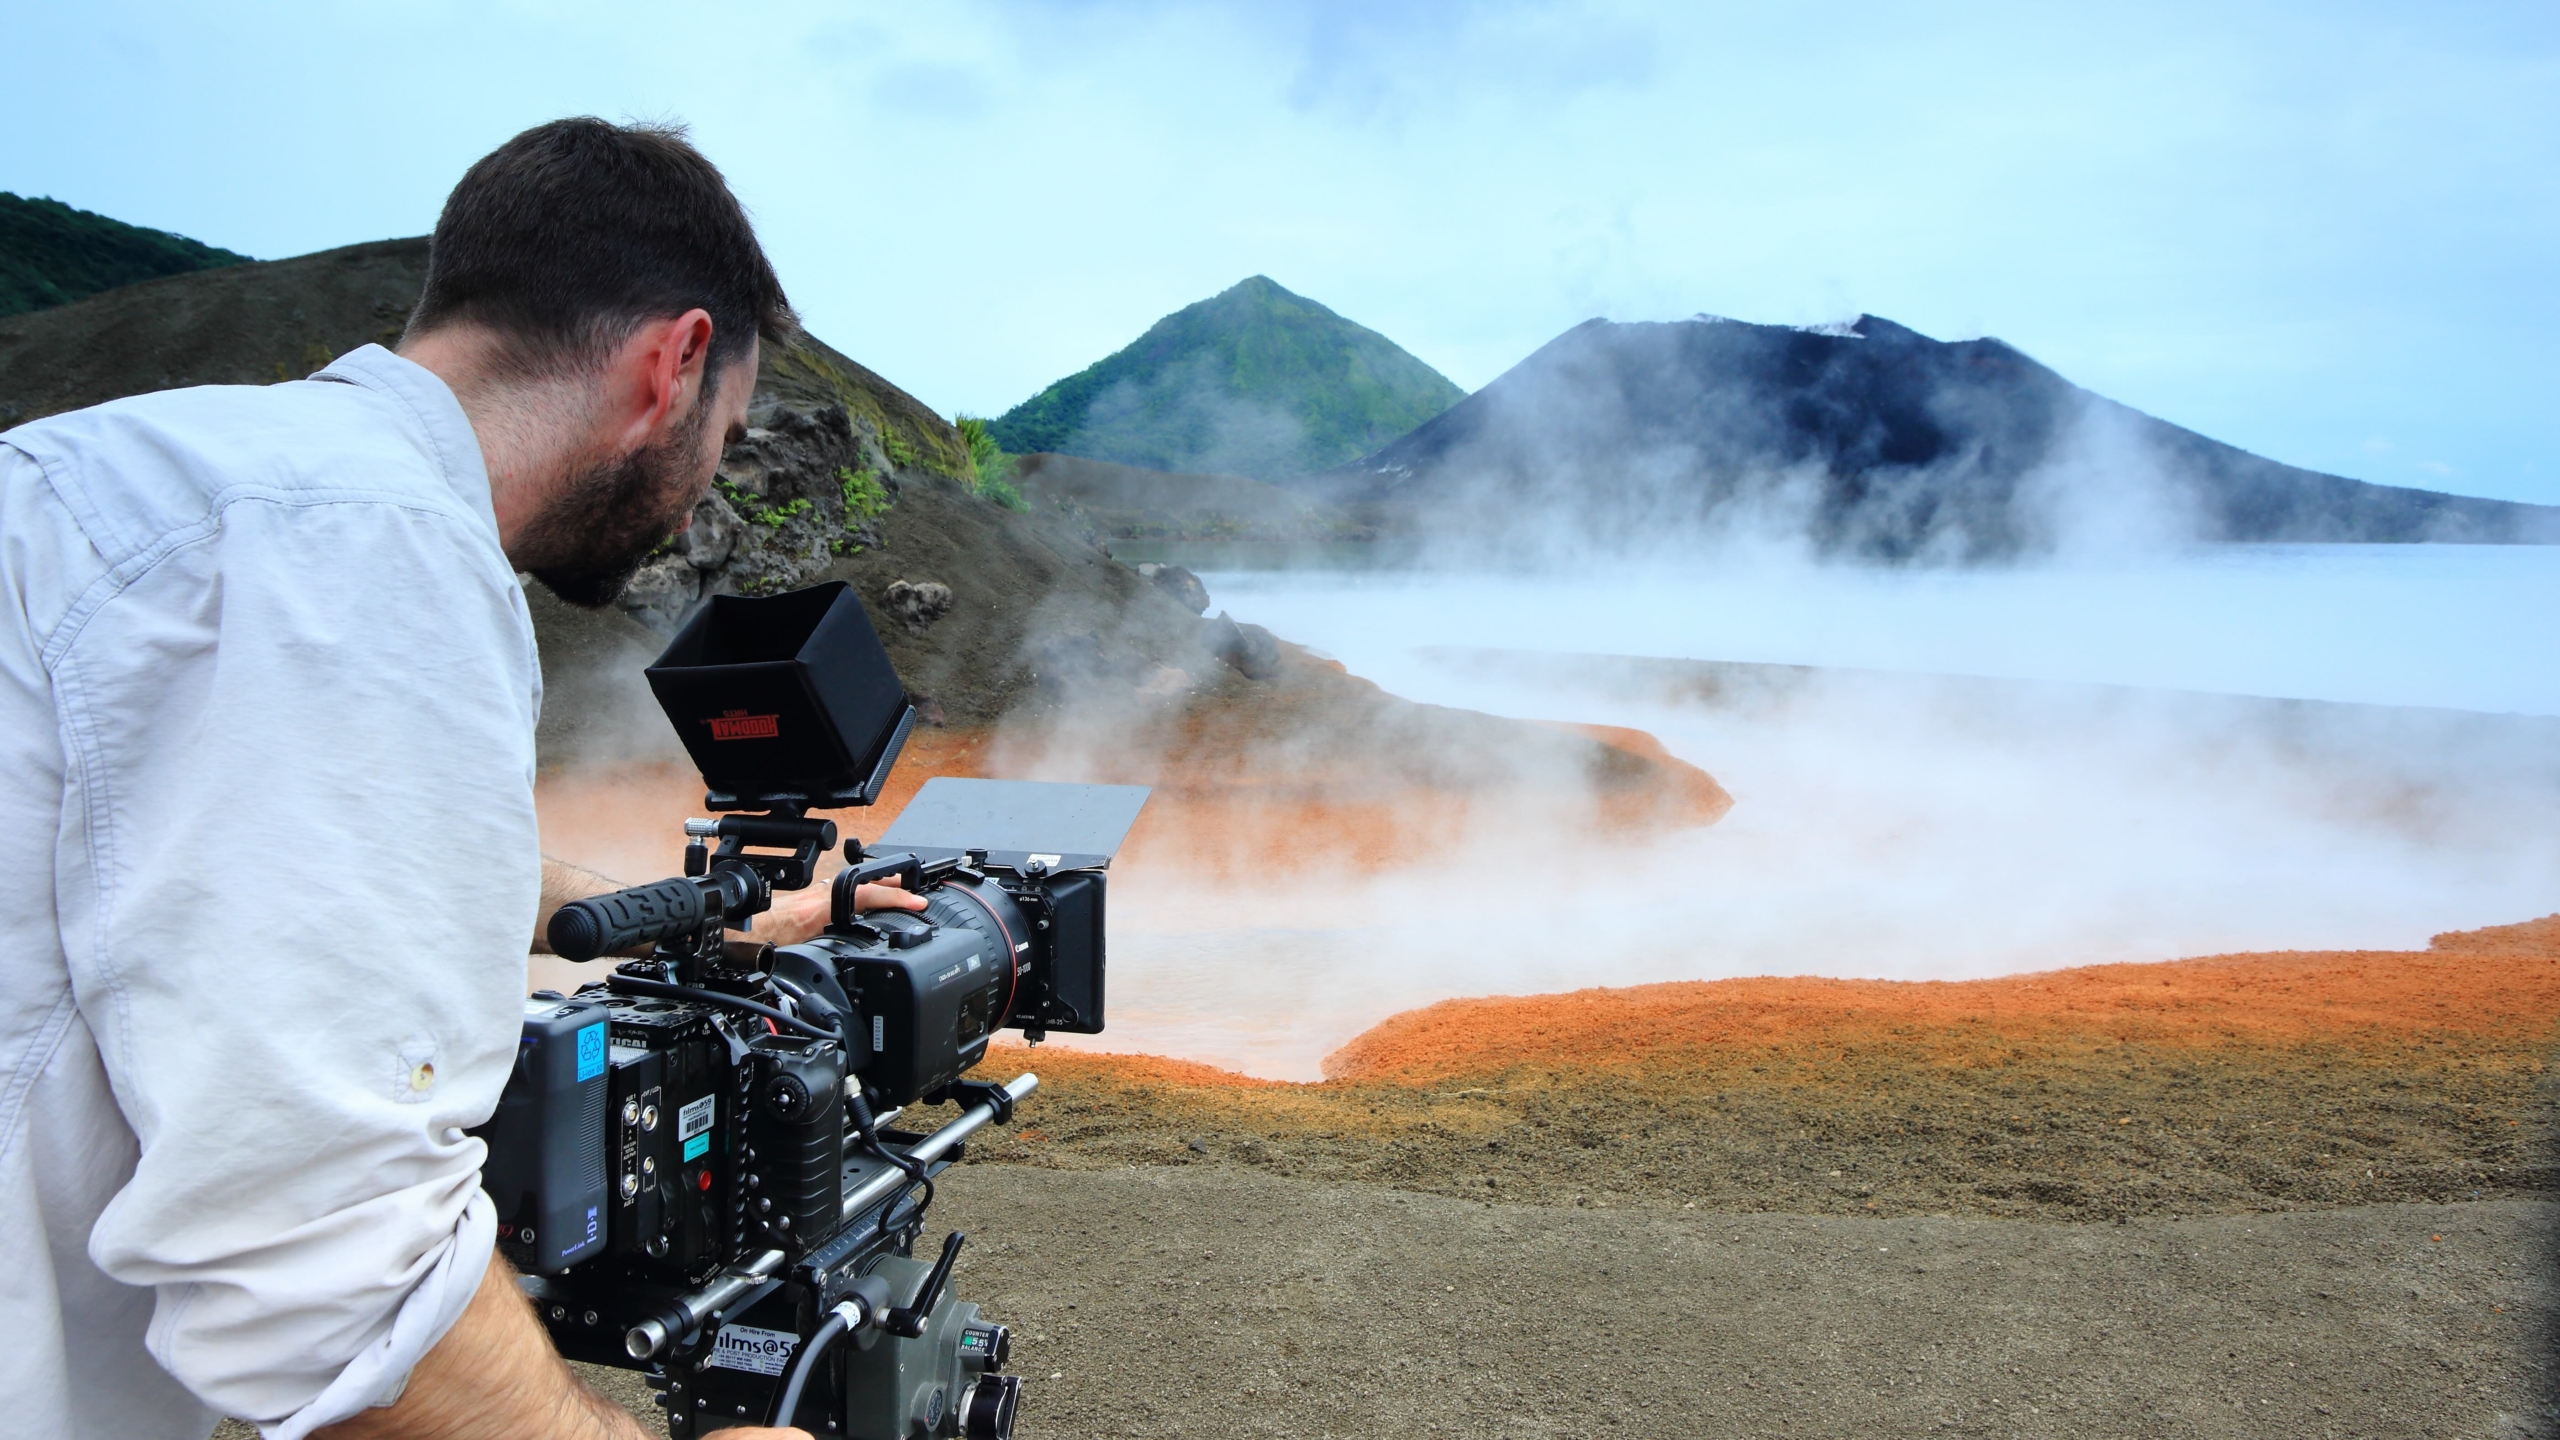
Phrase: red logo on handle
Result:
[739,725]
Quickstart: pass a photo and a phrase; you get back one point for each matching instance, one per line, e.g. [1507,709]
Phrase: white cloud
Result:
[2285,227]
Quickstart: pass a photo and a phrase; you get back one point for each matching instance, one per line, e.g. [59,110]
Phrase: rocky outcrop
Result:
[1250,650]
[804,489]
[1177,582]
[919,602]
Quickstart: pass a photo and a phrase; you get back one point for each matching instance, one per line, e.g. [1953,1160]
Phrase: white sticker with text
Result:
[694,1118]
[758,1352]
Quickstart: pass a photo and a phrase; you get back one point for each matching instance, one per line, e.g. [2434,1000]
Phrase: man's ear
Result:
[658,374]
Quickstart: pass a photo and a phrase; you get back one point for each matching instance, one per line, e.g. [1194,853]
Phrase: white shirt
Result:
[267,697]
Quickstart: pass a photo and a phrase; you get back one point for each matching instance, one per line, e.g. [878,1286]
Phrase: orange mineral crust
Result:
[2496,990]
[626,821]
[2232,1083]
[1239,791]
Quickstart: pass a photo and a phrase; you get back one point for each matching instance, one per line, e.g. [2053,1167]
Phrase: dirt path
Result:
[1218,1302]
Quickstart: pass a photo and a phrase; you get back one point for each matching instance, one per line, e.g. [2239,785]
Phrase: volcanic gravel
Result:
[2305,1194]
[1219,1301]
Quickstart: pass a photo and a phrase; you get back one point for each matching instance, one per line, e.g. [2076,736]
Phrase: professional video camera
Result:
[693,1164]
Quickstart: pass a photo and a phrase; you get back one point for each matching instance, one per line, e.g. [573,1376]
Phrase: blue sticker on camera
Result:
[591,1052]
[695,1147]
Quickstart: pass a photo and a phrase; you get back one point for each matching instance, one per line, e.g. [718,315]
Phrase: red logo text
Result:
[739,725]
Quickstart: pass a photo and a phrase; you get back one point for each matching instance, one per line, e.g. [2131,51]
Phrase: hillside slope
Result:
[1866,439]
[263,321]
[991,614]
[1254,381]
[1127,503]
[52,254]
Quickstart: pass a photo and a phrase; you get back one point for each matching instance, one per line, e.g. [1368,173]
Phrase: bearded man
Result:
[267,696]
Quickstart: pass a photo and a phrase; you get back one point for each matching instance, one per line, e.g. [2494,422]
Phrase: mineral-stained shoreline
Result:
[2223,1085]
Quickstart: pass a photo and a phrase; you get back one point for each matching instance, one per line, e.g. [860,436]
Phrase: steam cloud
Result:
[1887,825]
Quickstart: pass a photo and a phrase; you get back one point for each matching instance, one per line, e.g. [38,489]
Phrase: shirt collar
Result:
[429,403]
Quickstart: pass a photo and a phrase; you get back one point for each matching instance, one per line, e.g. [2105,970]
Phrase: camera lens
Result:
[986,1412]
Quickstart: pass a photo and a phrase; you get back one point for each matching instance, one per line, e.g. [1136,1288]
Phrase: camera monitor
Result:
[785,701]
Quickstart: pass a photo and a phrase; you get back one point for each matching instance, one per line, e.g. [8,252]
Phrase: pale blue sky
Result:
[2322,231]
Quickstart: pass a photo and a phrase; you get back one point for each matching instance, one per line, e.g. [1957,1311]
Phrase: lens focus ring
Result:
[986,1412]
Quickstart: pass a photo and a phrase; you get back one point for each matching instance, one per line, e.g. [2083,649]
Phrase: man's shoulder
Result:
[296,434]
[137,469]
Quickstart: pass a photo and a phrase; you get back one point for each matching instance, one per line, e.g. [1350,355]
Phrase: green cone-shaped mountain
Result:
[51,254]
[1255,381]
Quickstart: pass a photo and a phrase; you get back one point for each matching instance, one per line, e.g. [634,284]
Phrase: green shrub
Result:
[864,497]
[990,469]
[753,509]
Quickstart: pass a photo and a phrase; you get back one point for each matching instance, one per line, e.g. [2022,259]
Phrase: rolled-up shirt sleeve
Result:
[298,867]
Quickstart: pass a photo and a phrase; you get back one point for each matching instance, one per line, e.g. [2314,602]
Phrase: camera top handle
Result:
[665,910]
[910,873]
[719,889]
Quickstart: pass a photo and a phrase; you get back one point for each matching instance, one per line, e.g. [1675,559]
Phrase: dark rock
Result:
[661,594]
[1253,651]
[1179,583]
[713,536]
[1070,663]
[919,602]
[777,519]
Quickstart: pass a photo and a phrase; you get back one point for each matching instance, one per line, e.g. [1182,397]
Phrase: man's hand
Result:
[494,1376]
[799,914]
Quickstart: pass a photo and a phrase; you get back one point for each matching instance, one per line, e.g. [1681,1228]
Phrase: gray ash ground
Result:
[1217,1301]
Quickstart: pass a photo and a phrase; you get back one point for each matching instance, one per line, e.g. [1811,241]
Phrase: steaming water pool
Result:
[2104,802]
[2466,627]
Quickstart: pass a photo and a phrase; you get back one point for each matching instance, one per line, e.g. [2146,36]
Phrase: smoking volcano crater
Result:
[1865,439]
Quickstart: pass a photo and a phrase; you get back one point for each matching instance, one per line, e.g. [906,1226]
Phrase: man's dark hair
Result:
[571,235]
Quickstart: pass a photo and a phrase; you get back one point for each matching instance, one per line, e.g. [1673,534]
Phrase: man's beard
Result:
[603,525]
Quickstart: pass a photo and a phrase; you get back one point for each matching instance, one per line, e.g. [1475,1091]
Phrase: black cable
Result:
[634,985]
[805,1365]
[809,1005]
